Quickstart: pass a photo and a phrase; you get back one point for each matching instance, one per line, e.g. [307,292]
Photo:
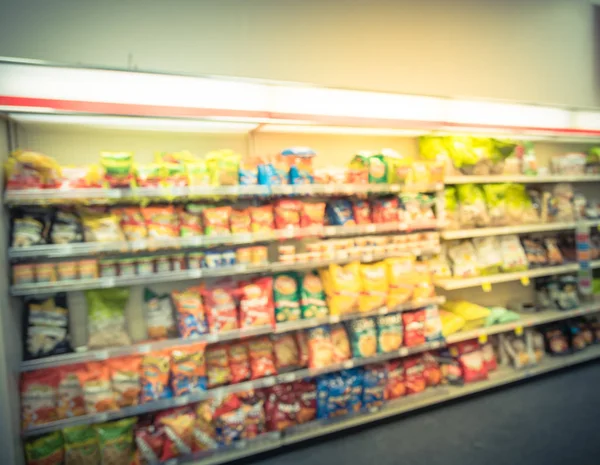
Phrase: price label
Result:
[144,348]
[268,382]
[371,228]
[334,319]
[487,287]
[240,444]
[367,257]
[329,188]
[525,280]
[107,282]
[383,310]
[483,338]
[348,364]
[102,355]
[403,352]
[179,401]
[287,378]
[519,330]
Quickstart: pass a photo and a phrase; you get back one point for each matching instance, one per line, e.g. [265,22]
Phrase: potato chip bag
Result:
[320,347]
[216,220]
[433,324]
[287,213]
[312,296]
[374,384]
[239,361]
[286,351]
[341,344]
[217,366]
[81,446]
[115,440]
[38,397]
[287,298]
[312,214]
[362,211]
[125,379]
[389,332]
[363,335]
[395,380]
[262,219]
[191,319]
[256,303]
[343,287]
[262,361]
[154,378]
[70,393]
[97,388]
[133,223]
[240,221]
[179,434]
[190,220]
[374,293]
[414,375]
[303,351]
[162,221]
[188,370]
[221,308]
[204,429]
[45,450]
[400,289]
[414,328]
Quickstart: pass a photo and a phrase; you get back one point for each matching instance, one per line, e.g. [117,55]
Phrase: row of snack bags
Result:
[34,225]
[498,254]
[473,205]
[56,393]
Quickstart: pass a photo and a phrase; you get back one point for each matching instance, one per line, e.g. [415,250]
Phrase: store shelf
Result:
[61,196]
[203,273]
[146,347]
[504,230]
[220,392]
[527,321]
[521,178]
[595,264]
[450,284]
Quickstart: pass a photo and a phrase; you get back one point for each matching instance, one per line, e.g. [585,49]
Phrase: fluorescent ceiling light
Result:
[134,123]
[299,129]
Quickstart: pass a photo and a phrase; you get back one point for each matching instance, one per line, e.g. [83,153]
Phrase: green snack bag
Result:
[389,332]
[286,297]
[116,440]
[45,450]
[118,168]
[363,336]
[106,318]
[378,169]
[312,296]
[81,445]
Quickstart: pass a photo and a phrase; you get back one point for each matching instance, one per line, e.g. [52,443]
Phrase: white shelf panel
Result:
[519,178]
[450,284]
[504,230]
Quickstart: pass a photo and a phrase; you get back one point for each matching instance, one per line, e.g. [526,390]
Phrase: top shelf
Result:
[521,178]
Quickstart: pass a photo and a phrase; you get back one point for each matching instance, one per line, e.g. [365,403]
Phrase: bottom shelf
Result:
[502,376]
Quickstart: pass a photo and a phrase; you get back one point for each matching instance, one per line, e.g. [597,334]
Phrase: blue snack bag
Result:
[339,396]
[374,381]
[363,336]
[323,396]
[354,386]
[339,212]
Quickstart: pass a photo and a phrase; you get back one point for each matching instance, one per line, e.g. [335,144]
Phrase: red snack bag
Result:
[312,214]
[362,212]
[97,388]
[320,347]
[262,362]
[414,328]
[205,436]
[133,223]
[471,361]
[217,366]
[221,308]
[190,220]
[489,357]
[306,392]
[230,420]
[70,393]
[125,379]
[286,351]
[395,386]
[262,219]
[256,303]
[432,370]
[149,441]
[283,411]
[216,220]
[414,375]
[287,213]
[302,343]
[179,434]
[162,222]
[239,362]
[254,419]
[385,210]
[240,221]
[39,391]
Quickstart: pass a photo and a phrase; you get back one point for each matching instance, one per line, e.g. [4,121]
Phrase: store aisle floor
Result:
[552,420]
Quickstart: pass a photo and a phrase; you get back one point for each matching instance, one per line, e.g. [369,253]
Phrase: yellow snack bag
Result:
[451,323]
[343,286]
[401,284]
[474,315]
[374,287]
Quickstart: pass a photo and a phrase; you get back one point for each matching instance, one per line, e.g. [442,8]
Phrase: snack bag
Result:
[262,361]
[303,350]
[343,286]
[312,214]
[155,376]
[286,351]
[188,371]
[256,303]
[159,316]
[239,361]
[118,168]
[70,393]
[299,160]
[385,210]
[374,384]
[216,220]
[320,347]
[204,430]
[174,175]
[414,375]
[162,221]
[363,335]
[149,442]
[374,293]
[223,167]
[30,227]
[115,441]
[414,328]
[81,446]
[190,220]
[463,256]
[39,397]
[286,296]
[191,319]
[97,389]
[240,221]
[400,289]
[341,344]
[362,212]
[339,213]
[125,379]
[45,450]
[488,256]
[149,175]
[433,324]
[100,225]
[262,219]
[312,296]
[179,434]
[389,332]
[217,366]
[221,308]
[66,228]
[47,327]
[287,213]
[106,318]
[133,223]
[378,169]
[395,386]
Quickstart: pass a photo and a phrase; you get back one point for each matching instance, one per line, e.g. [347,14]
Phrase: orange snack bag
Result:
[216,220]
[262,219]
[155,376]
[239,361]
[262,361]
[161,221]
[240,221]
[97,389]
[217,366]
[70,393]
[38,397]
[313,214]
[125,377]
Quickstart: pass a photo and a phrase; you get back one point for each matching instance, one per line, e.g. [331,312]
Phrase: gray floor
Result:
[550,420]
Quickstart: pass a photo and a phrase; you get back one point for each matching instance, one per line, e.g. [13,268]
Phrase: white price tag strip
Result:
[144,348]
[348,364]
[102,355]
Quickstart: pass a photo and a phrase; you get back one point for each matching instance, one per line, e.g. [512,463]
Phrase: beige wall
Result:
[528,50]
